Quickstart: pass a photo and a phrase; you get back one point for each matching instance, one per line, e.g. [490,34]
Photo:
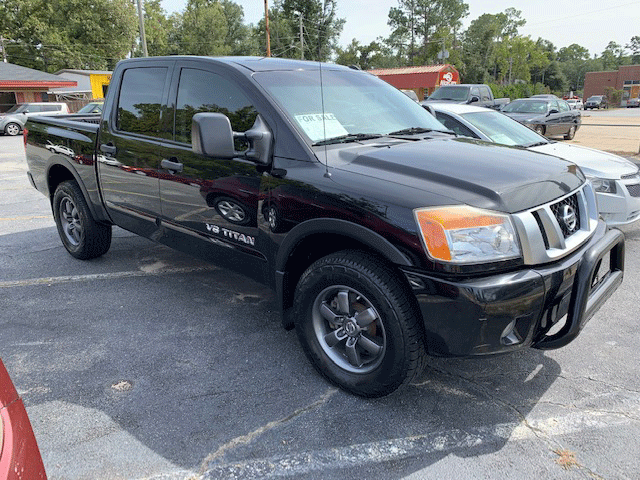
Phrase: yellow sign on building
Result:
[99,84]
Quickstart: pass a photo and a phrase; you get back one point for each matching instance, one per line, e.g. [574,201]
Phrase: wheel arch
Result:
[58,173]
[317,238]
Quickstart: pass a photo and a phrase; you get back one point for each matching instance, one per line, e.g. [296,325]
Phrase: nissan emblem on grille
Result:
[568,217]
[567,214]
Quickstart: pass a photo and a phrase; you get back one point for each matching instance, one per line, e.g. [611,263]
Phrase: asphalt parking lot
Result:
[149,364]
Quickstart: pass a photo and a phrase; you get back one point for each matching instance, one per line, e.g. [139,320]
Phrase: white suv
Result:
[13,120]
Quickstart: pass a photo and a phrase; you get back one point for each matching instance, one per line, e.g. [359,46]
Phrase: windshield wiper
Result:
[350,137]
[536,144]
[416,130]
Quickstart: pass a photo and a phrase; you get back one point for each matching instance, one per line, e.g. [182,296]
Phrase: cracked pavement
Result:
[147,364]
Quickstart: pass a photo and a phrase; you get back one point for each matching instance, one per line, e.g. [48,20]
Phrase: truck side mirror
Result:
[474,99]
[211,135]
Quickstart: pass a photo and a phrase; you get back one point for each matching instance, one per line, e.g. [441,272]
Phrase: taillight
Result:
[25,132]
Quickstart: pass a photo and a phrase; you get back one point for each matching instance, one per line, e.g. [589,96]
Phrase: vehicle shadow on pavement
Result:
[192,371]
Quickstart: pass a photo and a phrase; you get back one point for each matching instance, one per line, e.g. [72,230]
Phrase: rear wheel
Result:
[81,235]
[539,129]
[571,133]
[12,129]
[358,324]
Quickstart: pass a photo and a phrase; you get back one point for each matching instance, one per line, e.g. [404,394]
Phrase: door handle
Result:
[171,165]
[108,148]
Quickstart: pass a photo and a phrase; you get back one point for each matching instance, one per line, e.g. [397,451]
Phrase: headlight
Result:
[463,234]
[603,185]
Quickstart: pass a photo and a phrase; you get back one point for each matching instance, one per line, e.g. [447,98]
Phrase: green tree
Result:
[634,47]
[321,29]
[157,30]
[366,57]
[203,30]
[51,35]
[422,28]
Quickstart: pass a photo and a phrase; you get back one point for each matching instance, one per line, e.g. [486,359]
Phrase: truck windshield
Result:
[459,94]
[350,105]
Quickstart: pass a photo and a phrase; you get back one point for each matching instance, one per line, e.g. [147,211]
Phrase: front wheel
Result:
[81,235]
[571,133]
[539,129]
[358,324]
[12,129]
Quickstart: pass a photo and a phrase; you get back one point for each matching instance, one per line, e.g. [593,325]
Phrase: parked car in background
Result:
[575,103]
[13,120]
[93,107]
[596,101]
[547,116]
[478,94]
[616,180]
[633,103]
[19,454]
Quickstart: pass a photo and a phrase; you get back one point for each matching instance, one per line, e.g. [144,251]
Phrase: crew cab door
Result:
[210,203]
[129,148]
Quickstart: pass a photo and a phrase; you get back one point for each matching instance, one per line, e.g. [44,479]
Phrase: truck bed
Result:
[68,141]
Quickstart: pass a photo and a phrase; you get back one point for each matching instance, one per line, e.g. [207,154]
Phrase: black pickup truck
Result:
[385,237]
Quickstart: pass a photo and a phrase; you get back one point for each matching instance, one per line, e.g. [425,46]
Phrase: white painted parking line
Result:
[446,442]
[101,276]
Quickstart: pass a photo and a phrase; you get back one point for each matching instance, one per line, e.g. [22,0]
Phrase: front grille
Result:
[550,231]
[634,190]
[567,214]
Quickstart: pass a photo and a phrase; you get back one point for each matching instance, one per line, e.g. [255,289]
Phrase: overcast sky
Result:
[590,23]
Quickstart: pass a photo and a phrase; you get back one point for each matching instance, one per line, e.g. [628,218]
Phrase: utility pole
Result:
[301,39]
[143,38]
[266,27]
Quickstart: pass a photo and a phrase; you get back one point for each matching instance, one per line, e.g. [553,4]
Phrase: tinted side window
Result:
[475,91]
[202,91]
[564,106]
[34,108]
[486,94]
[140,102]
[51,108]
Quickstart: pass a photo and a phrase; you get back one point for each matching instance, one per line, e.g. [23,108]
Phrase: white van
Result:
[12,121]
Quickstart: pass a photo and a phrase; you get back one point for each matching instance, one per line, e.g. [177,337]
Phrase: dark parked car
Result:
[547,116]
[596,101]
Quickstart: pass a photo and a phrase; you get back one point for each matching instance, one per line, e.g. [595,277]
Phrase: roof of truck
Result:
[255,64]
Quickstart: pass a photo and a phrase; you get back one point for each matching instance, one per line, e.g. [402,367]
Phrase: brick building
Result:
[423,79]
[627,79]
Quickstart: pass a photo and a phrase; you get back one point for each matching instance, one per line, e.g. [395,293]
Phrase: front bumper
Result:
[510,311]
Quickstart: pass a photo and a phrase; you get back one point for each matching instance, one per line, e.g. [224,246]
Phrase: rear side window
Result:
[203,91]
[140,101]
[51,108]
[454,125]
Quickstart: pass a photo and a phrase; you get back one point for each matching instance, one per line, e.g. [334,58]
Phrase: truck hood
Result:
[593,162]
[484,175]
